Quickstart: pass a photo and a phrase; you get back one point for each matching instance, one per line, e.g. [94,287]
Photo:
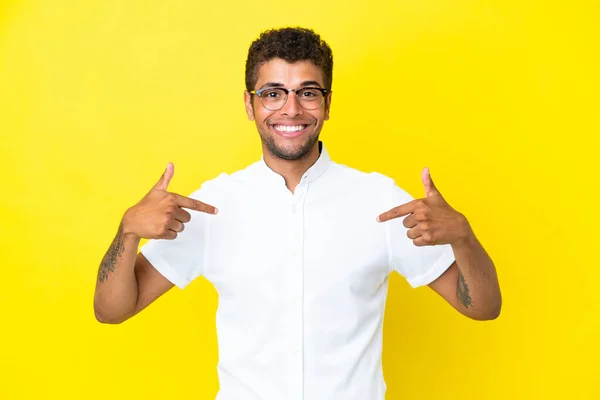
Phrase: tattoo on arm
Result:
[110,258]
[462,290]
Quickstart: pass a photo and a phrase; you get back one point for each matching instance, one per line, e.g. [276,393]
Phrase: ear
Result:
[327,105]
[248,102]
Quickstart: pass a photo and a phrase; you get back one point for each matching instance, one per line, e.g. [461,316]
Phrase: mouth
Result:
[289,131]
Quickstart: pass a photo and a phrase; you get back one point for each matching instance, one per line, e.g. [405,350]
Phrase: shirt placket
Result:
[297,292]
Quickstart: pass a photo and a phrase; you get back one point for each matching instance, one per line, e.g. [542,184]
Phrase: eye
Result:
[310,93]
[272,93]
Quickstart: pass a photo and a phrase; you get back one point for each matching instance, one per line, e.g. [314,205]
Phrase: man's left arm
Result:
[470,284]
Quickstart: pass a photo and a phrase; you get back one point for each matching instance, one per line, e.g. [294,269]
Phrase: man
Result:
[300,248]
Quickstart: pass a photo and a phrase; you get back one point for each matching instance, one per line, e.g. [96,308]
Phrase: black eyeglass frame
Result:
[259,93]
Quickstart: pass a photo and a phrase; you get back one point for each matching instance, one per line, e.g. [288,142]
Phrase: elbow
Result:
[496,308]
[103,318]
[496,311]
[489,314]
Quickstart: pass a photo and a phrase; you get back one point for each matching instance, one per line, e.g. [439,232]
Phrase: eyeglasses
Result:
[273,99]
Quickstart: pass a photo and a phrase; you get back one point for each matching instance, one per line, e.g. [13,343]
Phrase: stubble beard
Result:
[288,153]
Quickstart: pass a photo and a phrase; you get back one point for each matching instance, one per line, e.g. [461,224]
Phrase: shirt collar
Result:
[314,172]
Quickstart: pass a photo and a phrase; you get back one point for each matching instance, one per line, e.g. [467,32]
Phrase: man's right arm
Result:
[127,282]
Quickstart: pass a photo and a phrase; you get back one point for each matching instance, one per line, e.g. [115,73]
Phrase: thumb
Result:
[163,182]
[430,189]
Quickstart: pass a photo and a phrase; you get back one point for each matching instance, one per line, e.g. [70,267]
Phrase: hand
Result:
[431,221]
[160,214]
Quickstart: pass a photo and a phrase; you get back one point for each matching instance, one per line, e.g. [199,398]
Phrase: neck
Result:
[292,170]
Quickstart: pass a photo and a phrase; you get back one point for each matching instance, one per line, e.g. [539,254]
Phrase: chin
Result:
[290,151]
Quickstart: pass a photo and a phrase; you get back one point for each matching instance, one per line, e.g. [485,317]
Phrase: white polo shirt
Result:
[302,278]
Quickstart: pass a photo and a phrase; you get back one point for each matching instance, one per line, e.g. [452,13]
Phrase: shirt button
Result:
[293,209]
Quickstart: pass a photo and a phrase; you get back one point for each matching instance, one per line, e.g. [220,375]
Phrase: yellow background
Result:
[498,98]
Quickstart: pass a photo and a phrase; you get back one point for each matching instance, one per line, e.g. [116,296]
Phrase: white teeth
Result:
[287,128]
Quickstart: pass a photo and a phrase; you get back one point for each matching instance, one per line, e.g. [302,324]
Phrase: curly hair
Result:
[291,45]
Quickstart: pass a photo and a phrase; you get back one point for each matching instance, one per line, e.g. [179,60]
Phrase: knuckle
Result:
[161,231]
[427,237]
[171,198]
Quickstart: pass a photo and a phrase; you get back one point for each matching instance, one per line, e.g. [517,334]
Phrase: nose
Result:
[292,107]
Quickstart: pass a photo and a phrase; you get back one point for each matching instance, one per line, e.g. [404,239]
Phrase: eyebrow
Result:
[272,84]
[310,83]
[277,84]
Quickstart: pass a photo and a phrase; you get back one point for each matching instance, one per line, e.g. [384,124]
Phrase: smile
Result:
[289,130]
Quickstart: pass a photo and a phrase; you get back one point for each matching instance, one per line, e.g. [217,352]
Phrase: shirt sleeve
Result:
[181,260]
[420,265]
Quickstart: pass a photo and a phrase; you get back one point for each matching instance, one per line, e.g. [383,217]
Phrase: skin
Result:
[289,157]
[472,288]
[127,282]
[470,284]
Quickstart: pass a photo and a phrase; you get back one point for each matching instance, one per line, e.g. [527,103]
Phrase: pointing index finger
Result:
[194,204]
[397,212]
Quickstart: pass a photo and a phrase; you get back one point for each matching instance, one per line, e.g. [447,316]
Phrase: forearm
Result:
[478,290]
[116,292]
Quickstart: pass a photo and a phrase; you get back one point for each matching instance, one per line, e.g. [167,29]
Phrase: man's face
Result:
[278,129]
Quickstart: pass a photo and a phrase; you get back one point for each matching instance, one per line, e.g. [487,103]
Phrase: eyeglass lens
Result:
[274,99]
